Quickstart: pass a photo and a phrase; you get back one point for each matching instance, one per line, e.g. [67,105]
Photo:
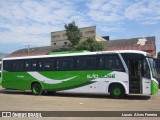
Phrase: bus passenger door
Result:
[135,76]
[146,81]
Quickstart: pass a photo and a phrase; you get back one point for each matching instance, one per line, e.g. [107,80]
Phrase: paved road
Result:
[11,100]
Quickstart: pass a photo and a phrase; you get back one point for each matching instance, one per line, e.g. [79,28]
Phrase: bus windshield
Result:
[153,67]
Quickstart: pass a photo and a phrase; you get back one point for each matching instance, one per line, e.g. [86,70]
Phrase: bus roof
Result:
[68,52]
[79,54]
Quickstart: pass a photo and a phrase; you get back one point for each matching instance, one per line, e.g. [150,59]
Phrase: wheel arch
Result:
[118,83]
[36,82]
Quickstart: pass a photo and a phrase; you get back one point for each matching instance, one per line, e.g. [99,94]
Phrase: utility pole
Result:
[28,47]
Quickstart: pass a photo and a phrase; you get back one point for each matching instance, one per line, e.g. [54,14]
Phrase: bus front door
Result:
[135,76]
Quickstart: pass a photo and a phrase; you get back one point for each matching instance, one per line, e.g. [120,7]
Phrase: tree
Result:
[73,33]
[90,44]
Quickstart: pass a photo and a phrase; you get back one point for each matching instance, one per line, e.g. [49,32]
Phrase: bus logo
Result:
[95,76]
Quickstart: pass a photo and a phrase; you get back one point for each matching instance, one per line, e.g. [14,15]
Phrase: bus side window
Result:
[40,65]
[146,71]
[58,64]
[91,63]
[67,63]
[30,65]
[27,65]
[110,62]
[7,65]
[45,64]
[33,65]
[49,65]
[18,66]
[117,64]
[101,63]
[81,63]
[86,63]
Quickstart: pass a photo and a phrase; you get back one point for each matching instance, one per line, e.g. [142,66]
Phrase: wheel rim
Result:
[36,89]
[117,91]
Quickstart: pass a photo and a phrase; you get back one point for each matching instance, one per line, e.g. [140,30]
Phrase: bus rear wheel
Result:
[117,91]
[37,89]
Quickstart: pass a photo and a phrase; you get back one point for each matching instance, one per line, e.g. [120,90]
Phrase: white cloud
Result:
[95,4]
[29,21]
[145,11]
[32,21]
[107,11]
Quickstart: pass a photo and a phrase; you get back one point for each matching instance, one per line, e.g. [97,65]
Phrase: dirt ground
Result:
[13,100]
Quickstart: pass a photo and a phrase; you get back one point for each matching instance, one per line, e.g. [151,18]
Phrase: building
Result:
[31,51]
[60,42]
[146,44]
[59,39]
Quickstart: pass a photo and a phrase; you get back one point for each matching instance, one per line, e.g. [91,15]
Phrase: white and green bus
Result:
[115,72]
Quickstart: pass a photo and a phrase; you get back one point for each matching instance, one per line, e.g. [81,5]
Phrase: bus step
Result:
[134,83]
[134,87]
[134,90]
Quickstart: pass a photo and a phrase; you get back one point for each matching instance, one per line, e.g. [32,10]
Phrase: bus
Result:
[0,70]
[157,64]
[117,73]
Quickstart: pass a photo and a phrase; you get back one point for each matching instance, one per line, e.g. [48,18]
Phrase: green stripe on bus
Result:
[23,80]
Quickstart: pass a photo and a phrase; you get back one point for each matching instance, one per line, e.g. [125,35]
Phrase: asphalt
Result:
[14,100]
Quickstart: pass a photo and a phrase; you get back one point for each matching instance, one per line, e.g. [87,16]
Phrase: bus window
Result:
[30,65]
[33,65]
[146,73]
[91,63]
[58,64]
[68,63]
[86,63]
[18,65]
[117,64]
[7,65]
[48,65]
[110,62]
[45,64]
[80,63]
[27,65]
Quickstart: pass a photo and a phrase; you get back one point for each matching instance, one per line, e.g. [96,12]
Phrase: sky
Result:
[30,22]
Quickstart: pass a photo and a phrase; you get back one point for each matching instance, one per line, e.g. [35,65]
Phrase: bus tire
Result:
[117,91]
[37,89]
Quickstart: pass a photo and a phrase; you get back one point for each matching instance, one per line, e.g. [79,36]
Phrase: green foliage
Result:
[90,44]
[74,36]
[73,33]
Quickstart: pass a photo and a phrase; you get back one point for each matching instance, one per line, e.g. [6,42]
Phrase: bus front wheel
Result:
[117,91]
[36,89]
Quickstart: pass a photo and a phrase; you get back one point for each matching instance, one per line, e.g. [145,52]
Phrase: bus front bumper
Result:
[154,87]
